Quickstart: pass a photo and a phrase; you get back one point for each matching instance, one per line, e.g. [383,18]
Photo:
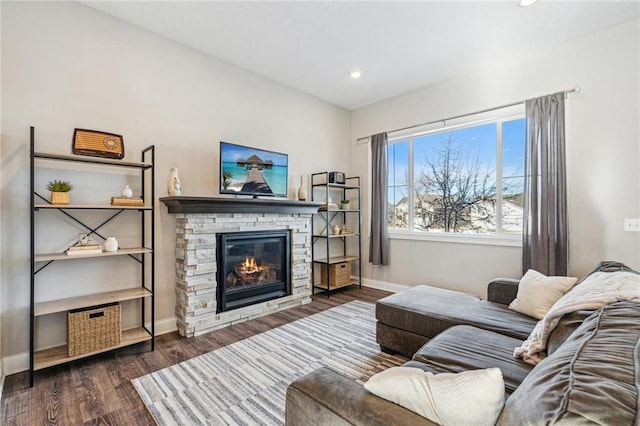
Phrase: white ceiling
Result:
[398,46]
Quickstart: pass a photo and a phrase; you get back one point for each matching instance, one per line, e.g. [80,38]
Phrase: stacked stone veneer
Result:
[196,267]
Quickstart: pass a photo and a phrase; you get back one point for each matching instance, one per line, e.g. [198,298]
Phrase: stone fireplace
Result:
[211,295]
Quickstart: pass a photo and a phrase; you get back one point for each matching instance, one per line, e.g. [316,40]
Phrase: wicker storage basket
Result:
[339,274]
[93,328]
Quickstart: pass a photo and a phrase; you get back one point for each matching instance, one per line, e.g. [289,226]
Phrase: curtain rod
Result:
[362,139]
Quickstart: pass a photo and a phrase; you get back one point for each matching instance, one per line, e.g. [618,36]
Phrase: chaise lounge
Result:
[450,332]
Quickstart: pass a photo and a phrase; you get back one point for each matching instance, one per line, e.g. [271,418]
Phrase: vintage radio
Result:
[97,144]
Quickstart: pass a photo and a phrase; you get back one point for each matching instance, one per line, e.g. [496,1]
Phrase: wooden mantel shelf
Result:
[188,205]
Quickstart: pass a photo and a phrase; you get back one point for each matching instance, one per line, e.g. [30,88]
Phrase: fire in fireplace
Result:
[253,267]
[250,272]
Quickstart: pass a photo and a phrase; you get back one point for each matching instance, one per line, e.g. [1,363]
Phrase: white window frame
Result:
[500,239]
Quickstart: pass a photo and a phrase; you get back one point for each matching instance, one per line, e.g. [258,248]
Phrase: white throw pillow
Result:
[537,293]
[472,397]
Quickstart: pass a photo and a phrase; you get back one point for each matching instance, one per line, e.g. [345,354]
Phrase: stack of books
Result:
[81,250]
[330,206]
[120,201]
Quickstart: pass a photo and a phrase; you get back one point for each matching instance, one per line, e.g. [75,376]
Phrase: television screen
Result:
[252,171]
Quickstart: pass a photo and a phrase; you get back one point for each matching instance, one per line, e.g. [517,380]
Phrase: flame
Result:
[250,265]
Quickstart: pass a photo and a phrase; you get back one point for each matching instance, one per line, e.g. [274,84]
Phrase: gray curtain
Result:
[545,239]
[379,237]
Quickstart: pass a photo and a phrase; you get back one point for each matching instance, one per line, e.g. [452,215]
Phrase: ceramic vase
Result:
[59,198]
[111,244]
[335,229]
[174,187]
[127,192]
[302,194]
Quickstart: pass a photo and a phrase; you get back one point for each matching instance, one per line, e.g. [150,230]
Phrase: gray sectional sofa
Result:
[590,376]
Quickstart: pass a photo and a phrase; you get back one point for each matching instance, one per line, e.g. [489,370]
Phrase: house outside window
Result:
[463,179]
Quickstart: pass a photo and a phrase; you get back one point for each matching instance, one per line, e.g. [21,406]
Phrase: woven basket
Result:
[339,274]
[94,328]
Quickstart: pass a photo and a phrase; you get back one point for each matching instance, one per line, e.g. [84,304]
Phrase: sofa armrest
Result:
[324,397]
[502,290]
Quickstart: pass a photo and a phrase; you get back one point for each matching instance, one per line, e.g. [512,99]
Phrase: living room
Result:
[68,65]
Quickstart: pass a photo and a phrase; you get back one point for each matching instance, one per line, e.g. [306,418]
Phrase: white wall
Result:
[602,156]
[64,66]
[1,367]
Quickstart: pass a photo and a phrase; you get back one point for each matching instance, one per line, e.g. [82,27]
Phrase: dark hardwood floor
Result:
[98,390]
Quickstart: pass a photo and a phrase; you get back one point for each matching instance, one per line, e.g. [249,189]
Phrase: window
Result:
[463,179]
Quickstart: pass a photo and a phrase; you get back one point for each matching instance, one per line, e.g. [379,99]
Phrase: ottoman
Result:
[410,318]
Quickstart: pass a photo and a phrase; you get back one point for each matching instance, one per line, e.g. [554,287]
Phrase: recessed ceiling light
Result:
[526,3]
[355,74]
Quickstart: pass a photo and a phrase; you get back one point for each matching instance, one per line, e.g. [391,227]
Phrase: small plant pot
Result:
[345,206]
[59,198]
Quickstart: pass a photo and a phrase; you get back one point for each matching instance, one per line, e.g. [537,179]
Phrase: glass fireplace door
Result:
[252,267]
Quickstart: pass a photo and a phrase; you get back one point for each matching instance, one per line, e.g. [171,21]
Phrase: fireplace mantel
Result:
[188,205]
[200,221]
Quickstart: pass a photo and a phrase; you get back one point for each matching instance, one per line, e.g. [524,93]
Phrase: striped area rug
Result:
[245,383]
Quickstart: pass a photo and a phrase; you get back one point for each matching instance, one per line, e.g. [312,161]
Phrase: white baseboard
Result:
[20,362]
[166,326]
[384,285]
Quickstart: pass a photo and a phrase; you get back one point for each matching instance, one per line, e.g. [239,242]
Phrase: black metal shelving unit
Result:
[144,255]
[327,257]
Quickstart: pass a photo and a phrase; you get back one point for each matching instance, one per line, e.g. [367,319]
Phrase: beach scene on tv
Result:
[252,171]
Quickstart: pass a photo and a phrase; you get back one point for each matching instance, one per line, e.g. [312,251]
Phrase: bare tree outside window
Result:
[455,189]
[447,181]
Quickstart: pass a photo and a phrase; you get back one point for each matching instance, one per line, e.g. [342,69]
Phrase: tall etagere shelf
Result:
[331,250]
[144,255]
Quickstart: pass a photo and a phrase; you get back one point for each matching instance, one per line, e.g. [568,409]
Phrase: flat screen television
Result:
[251,171]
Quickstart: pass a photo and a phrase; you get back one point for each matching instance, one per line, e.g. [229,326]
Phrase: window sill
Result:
[488,240]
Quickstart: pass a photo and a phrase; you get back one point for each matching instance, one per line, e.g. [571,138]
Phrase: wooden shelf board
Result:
[61,305]
[351,234]
[92,160]
[336,185]
[89,207]
[336,259]
[45,257]
[333,287]
[59,354]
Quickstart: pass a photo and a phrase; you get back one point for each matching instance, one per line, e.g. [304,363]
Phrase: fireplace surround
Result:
[199,221]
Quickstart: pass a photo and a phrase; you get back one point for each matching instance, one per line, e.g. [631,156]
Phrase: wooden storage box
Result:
[93,328]
[339,274]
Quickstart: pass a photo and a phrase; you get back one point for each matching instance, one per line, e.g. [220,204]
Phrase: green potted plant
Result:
[59,191]
[344,204]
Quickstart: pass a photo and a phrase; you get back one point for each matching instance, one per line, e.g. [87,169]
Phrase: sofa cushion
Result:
[566,326]
[592,378]
[464,347]
[537,293]
[324,397]
[439,397]
[398,340]
[427,311]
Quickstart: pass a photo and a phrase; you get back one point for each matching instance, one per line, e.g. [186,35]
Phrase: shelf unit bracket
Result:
[90,229]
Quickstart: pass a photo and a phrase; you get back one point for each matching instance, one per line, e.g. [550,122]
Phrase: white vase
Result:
[302,194]
[174,187]
[335,229]
[111,244]
[127,192]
